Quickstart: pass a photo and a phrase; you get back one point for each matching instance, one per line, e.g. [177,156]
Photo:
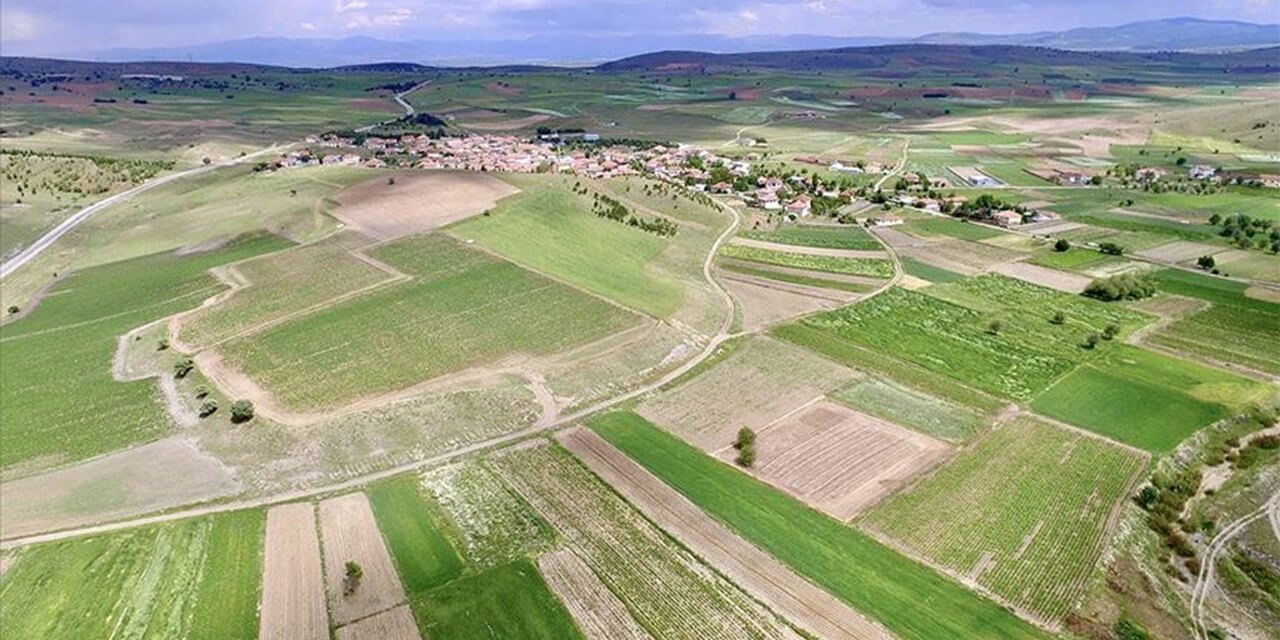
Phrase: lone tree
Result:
[13,308]
[351,581]
[241,411]
[182,367]
[1061,245]
[208,407]
[994,327]
[1058,318]
[1206,262]
[746,438]
[747,455]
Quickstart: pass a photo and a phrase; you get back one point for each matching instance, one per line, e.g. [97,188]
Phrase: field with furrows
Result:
[668,591]
[910,408]
[1023,512]
[847,237]
[496,524]
[828,264]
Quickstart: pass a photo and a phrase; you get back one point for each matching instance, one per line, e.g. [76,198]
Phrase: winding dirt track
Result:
[1206,581]
[755,571]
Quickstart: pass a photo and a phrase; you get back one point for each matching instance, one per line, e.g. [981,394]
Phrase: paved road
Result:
[404,104]
[47,240]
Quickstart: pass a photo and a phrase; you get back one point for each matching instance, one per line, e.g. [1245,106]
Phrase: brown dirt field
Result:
[812,251]
[756,572]
[292,585]
[899,239]
[766,302]
[526,122]
[374,104]
[841,277]
[148,478]
[417,202]
[1052,227]
[1178,251]
[839,460]
[1043,276]
[393,624]
[913,283]
[1270,294]
[1170,307]
[599,614]
[962,256]
[349,532]
[474,114]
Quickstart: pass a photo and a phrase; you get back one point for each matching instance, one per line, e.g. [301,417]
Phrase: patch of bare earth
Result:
[350,534]
[1043,276]
[417,202]
[840,460]
[766,302]
[1178,251]
[599,614]
[756,572]
[812,251]
[393,624]
[148,478]
[1052,227]
[1257,292]
[510,125]
[292,582]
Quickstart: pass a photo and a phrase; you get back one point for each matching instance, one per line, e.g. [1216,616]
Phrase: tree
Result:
[241,411]
[1111,331]
[206,160]
[1206,262]
[1062,245]
[733,95]
[351,580]
[182,367]
[391,180]
[1111,248]
[747,456]
[746,438]
[1125,286]
[208,407]
[1092,340]
[162,344]
[13,308]
[994,327]
[1147,496]
[1058,318]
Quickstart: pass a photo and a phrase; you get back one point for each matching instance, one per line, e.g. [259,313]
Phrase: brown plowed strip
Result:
[599,613]
[350,533]
[292,592]
[393,624]
[755,571]
[811,251]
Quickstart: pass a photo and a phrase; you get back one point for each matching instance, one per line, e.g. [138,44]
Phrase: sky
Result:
[46,27]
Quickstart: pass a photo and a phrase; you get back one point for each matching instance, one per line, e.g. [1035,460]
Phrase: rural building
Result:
[1007,218]
[888,220]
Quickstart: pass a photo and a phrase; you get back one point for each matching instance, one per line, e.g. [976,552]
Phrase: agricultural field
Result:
[423,328]
[1023,512]
[196,578]
[422,552]
[496,524]
[910,408]
[827,264]
[1236,329]
[828,237]
[509,601]
[950,228]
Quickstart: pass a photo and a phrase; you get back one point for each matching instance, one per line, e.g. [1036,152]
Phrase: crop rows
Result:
[828,264]
[1023,512]
[814,236]
[497,525]
[1237,335]
[910,408]
[667,590]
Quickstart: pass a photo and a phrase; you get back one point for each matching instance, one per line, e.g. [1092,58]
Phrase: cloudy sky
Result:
[36,27]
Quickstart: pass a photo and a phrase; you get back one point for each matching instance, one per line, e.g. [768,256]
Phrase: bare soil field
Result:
[1052,227]
[151,477]
[1179,251]
[840,460]
[812,251]
[599,613]
[766,302]
[756,572]
[842,277]
[1270,294]
[392,624]
[509,125]
[350,533]
[899,239]
[292,585]
[417,202]
[756,385]
[1043,276]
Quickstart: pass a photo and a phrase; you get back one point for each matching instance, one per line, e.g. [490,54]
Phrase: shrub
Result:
[994,327]
[241,411]
[1127,629]
[746,438]
[351,580]
[1206,262]
[1092,340]
[1111,331]
[208,407]
[182,367]
[1058,318]
[1125,286]
[13,308]
[1111,249]
[162,344]
[747,456]
[1062,245]
[201,391]
[1147,496]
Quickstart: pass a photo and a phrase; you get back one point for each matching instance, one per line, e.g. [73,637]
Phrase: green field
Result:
[870,577]
[62,404]
[1236,329]
[510,601]
[950,227]
[818,236]
[1023,511]
[910,408]
[829,264]
[553,230]
[196,579]
[794,278]
[1074,259]
[462,308]
[924,271]
[418,544]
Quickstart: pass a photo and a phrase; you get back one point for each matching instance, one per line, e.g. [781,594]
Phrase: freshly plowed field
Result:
[350,533]
[418,202]
[839,460]
[393,624]
[292,581]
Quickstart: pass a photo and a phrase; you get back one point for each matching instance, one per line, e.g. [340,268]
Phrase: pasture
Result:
[495,524]
[1023,512]
[462,308]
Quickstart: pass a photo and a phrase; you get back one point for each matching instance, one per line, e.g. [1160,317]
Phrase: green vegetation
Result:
[794,278]
[511,601]
[1236,329]
[62,404]
[552,230]
[951,227]
[869,576]
[850,237]
[462,308]
[909,408]
[1074,259]
[830,264]
[194,579]
[496,525]
[1023,511]
[421,550]
[929,272]
[1125,286]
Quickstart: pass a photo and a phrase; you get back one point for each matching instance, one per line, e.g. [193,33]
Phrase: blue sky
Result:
[34,27]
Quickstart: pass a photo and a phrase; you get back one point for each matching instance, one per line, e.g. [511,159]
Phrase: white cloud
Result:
[17,25]
[343,6]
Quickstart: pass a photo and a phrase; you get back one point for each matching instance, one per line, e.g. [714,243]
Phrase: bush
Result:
[1206,262]
[13,308]
[1058,318]
[747,455]
[1111,331]
[201,391]
[994,327]
[351,581]
[208,407]
[162,344]
[241,411]
[1127,629]
[1111,249]
[746,438]
[1125,286]
[1062,245]
[1091,342]
[1147,496]
[182,367]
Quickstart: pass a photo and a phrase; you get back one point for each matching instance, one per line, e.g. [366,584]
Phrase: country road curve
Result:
[721,335]
[1206,579]
[44,242]
[404,104]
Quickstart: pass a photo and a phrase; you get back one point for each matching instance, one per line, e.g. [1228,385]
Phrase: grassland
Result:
[1023,512]
[553,230]
[829,264]
[422,552]
[63,404]
[510,601]
[818,236]
[462,308]
[191,579]
[910,408]
[914,267]
[867,575]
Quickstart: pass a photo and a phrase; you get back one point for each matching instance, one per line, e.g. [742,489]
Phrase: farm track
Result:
[755,571]
[1206,579]
[708,350]
[404,104]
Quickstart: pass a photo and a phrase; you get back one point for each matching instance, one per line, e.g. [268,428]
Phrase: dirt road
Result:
[1207,578]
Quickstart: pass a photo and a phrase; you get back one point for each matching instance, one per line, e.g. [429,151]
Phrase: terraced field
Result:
[1023,512]
[462,308]
[829,264]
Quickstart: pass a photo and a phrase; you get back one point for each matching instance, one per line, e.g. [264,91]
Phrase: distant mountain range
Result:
[1173,34]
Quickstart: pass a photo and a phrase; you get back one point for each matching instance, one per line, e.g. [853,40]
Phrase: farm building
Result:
[888,220]
[1007,218]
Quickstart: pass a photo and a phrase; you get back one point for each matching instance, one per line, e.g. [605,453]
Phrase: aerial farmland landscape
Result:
[409,320]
